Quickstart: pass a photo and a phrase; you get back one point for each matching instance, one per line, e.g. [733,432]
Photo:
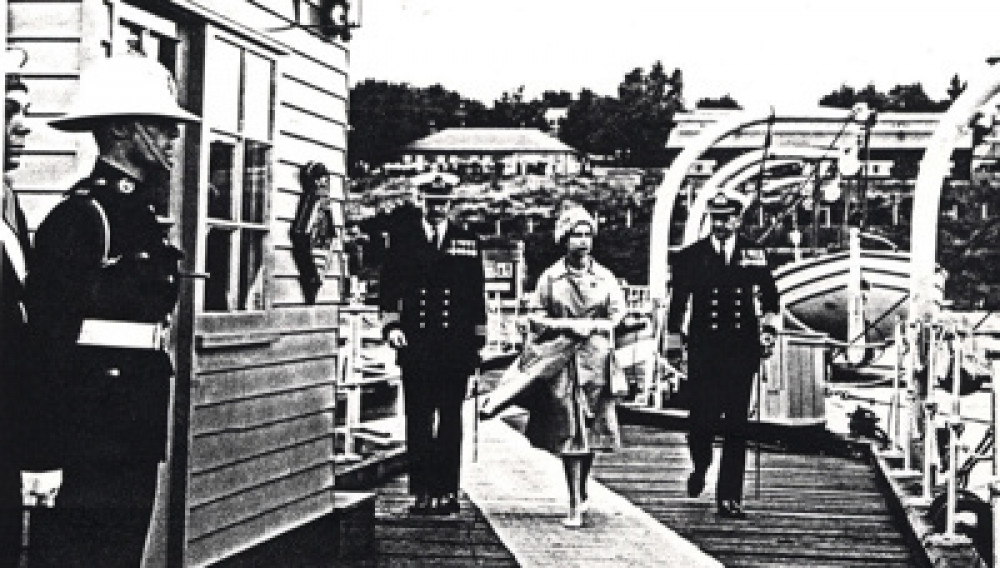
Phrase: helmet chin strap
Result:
[146,139]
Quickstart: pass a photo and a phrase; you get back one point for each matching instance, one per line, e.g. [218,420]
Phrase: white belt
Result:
[122,334]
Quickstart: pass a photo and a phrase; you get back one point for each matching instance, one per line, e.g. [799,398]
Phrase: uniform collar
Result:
[442,227]
[564,269]
[112,179]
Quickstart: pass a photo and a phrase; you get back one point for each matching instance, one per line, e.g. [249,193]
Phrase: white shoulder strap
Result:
[12,248]
[107,229]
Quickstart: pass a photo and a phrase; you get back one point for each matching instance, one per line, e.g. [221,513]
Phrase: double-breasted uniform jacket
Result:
[438,295]
[104,282]
[723,299]
[13,322]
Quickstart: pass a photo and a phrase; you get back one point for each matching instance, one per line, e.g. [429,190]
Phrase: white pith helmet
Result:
[123,86]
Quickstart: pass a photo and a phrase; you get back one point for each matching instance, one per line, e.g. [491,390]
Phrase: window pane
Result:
[252,271]
[220,180]
[222,86]
[257,96]
[256,170]
[217,264]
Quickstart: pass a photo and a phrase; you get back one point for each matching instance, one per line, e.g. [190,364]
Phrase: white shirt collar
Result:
[729,246]
[429,229]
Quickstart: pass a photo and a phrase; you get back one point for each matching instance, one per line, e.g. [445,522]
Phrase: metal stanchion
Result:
[907,360]
[994,357]
[893,423]
[950,538]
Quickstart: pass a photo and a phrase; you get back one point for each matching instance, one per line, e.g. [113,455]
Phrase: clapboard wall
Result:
[256,391]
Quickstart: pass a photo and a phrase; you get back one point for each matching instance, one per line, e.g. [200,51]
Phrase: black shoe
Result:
[447,505]
[731,510]
[696,482]
[422,506]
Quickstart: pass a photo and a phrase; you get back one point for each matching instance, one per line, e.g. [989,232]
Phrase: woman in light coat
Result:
[569,354]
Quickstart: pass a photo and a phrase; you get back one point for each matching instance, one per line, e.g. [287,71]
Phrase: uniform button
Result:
[444,313]
[715,302]
[444,324]
[423,313]
[423,302]
[715,314]
[715,290]
[113,372]
[715,325]
[445,301]
[447,291]
[737,325]
[422,325]
[170,279]
[423,292]
[739,290]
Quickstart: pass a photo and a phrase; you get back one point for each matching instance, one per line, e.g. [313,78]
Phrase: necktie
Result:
[435,236]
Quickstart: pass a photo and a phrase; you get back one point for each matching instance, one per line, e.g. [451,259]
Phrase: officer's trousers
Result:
[433,404]
[721,388]
[100,519]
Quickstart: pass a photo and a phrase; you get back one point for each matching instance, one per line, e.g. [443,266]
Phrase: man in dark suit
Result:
[13,318]
[432,297]
[724,276]
[101,289]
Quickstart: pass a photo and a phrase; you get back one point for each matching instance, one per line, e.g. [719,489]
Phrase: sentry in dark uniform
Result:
[723,276]
[104,282]
[432,294]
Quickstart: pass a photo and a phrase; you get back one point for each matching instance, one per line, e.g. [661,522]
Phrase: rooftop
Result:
[485,140]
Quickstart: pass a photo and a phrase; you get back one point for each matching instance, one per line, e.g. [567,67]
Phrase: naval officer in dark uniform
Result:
[99,296]
[724,277]
[432,296]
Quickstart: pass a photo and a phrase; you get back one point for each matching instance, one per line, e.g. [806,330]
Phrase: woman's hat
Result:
[572,217]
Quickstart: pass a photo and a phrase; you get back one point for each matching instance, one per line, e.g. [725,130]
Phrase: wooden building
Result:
[251,454]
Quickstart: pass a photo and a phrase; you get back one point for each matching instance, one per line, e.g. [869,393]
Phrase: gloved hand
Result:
[40,488]
[397,338]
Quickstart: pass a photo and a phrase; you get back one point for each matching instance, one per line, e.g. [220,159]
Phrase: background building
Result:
[506,151]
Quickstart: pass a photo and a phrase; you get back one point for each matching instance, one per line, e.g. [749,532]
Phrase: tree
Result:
[512,111]
[632,127]
[723,102]
[901,98]
[386,116]
[558,99]
[956,87]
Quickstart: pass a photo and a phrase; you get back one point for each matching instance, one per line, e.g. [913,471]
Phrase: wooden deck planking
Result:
[813,510]
[403,540]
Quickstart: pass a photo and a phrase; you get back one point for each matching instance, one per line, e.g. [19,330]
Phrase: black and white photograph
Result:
[459,283]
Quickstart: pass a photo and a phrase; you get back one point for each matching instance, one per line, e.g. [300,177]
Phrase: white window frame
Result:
[213,132]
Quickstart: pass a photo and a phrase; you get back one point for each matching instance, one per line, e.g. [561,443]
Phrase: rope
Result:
[780,216]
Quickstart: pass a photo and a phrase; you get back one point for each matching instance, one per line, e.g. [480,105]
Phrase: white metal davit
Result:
[670,187]
[739,170]
[924,283]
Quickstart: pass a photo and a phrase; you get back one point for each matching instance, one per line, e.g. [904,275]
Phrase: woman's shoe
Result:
[574,520]
[488,410]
